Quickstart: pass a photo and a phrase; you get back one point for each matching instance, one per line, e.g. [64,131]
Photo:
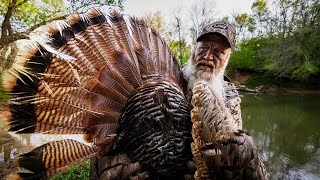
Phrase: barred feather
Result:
[221,149]
[53,158]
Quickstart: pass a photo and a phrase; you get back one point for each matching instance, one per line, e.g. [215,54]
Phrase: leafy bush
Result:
[249,54]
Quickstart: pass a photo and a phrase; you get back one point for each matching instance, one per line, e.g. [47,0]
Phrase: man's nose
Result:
[209,55]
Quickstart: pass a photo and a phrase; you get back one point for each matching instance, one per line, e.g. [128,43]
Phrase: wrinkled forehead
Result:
[217,39]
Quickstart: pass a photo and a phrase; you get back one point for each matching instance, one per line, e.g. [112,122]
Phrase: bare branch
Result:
[201,13]
[43,23]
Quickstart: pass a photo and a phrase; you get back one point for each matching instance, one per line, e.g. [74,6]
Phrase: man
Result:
[208,62]
[221,149]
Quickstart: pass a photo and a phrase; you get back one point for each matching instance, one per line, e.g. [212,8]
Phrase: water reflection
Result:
[286,129]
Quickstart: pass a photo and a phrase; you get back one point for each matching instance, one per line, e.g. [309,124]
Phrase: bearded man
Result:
[208,62]
[221,149]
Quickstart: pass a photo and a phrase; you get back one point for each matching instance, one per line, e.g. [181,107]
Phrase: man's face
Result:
[211,54]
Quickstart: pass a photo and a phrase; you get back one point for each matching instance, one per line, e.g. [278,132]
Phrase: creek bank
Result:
[257,82]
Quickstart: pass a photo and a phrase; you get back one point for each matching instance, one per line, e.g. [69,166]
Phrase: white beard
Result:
[214,79]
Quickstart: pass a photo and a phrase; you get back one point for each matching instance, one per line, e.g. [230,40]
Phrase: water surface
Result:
[286,130]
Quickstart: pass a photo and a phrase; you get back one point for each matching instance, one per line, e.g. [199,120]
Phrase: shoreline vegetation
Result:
[248,81]
[259,82]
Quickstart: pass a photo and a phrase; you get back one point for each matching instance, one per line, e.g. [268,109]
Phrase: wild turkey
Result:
[114,80]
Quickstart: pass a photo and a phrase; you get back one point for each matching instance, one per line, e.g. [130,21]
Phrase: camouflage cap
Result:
[221,27]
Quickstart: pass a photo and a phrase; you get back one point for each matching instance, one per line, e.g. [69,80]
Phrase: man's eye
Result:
[219,51]
[202,49]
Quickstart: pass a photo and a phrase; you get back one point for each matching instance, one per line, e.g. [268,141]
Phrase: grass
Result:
[80,172]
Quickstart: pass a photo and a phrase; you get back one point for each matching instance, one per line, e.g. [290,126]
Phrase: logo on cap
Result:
[220,26]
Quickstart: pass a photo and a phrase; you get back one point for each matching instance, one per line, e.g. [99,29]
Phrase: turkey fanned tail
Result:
[83,75]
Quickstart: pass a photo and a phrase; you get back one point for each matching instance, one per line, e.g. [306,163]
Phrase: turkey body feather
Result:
[221,149]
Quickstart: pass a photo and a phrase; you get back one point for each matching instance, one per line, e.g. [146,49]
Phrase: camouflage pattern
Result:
[222,27]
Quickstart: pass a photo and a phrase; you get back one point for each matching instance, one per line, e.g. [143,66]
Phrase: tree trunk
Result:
[7,34]
[7,56]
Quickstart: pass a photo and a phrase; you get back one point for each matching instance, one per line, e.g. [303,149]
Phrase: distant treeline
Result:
[281,37]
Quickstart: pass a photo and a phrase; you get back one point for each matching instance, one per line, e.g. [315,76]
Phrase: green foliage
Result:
[296,57]
[32,12]
[244,22]
[259,6]
[294,61]
[259,79]
[182,54]
[155,21]
[80,172]
[285,43]
[2,94]
[268,80]
[290,61]
[304,71]
[29,13]
[249,54]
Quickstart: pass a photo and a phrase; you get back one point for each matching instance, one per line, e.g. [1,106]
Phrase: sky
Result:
[224,7]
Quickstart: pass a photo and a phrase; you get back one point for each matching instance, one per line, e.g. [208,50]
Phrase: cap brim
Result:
[211,33]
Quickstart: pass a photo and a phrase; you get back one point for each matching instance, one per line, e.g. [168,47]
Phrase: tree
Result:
[20,17]
[20,14]
[201,13]
[286,39]
[243,24]
[81,6]
[260,16]
[156,21]
[181,50]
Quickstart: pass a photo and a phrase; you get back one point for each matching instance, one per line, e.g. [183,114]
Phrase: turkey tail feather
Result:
[53,158]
